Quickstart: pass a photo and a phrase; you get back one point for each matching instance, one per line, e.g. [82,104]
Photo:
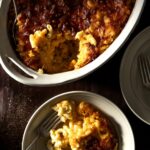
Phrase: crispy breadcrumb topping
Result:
[62,35]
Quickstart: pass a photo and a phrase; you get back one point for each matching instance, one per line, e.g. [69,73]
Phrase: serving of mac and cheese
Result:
[83,127]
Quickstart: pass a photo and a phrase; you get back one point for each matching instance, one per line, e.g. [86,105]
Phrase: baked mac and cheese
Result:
[61,35]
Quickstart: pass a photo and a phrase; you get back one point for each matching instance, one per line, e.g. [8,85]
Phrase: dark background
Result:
[18,102]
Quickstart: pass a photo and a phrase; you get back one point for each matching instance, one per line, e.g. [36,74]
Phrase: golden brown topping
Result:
[62,35]
[91,4]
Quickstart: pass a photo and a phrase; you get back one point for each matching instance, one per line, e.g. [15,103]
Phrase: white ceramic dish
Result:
[126,138]
[136,95]
[33,78]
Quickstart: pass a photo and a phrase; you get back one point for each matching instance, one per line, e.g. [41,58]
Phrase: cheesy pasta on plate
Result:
[83,127]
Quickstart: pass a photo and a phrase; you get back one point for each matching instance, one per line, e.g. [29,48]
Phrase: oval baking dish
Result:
[23,74]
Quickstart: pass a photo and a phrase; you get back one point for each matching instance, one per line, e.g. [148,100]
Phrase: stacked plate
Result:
[136,95]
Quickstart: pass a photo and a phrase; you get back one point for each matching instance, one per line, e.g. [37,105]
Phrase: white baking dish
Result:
[33,78]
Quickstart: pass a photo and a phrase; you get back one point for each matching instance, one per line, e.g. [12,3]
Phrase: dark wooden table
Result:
[18,102]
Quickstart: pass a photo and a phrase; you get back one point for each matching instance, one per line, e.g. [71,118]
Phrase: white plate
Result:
[126,138]
[135,94]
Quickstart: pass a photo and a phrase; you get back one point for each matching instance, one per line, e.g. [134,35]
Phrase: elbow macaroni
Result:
[81,121]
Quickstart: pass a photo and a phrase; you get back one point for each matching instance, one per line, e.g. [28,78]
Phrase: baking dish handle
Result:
[26,77]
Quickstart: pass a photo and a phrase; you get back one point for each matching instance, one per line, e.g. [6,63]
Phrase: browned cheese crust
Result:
[60,35]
